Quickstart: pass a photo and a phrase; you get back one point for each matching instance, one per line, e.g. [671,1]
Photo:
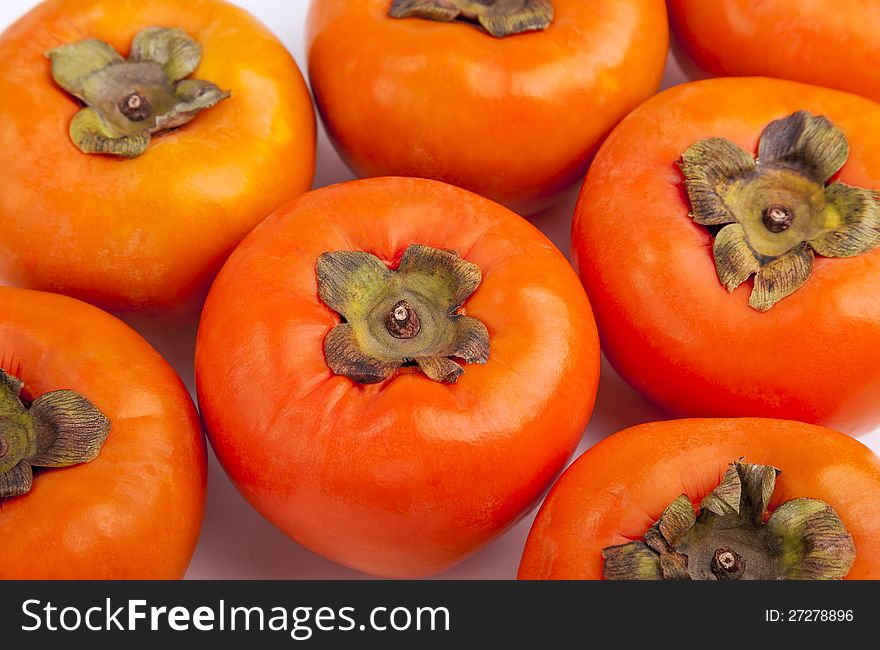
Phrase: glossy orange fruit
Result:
[133,512]
[147,232]
[403,476]
[515,119]
[615,491]
[667,322]
[790,39]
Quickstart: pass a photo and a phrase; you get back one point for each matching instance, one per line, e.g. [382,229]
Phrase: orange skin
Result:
[619,488]
[513,119]
[814,41]
[668,325]
[406,477]
[151,232]
[135,511]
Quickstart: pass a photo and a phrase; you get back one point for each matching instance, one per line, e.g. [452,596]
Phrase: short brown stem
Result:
[777,218]
[136,107]
[402,321]
[4,447]
[727,564]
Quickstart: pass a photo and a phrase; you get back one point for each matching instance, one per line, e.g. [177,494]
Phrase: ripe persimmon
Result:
[777,500]
[127,181]
[392,370]
[508,99]
[812,41]
[75,502]
[726,285]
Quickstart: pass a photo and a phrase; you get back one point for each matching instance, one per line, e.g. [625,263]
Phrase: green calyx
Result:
[732,539]
[777,212]
[498,17]
[59,429]
[128,101]
[391,318]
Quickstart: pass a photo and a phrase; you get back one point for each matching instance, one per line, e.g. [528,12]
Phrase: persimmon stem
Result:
[403,321]
[727,564]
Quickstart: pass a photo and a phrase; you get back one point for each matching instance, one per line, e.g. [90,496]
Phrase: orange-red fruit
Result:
[406,477]
[790,39]
[619,488]
[135,511]
[515,119]
[669,326]
[149,232]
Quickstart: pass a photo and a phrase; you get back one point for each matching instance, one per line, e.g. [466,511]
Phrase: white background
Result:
[236,542]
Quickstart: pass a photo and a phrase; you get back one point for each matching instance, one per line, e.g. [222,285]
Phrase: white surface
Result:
[238,543]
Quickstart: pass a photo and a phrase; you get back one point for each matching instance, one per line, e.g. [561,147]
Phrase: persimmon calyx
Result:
[777,212]
[498,17]
[408,315]
[732,538]
[58,429]
[127,101]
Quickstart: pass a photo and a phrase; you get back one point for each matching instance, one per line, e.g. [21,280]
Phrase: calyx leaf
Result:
[394,317]
[778,211]
[127,101]
[802,539]
[498,17]
[59,429]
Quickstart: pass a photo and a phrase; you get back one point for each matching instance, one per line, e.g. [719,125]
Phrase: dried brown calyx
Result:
[394,317]
[732,539]
[778,212]
[128,101]
[498,17]
[59,429]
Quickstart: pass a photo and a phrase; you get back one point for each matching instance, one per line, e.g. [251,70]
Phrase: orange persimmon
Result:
[393,370]
[611,497]
[512,117]
[727,234]
[830,44]
[201,132]
[134,511]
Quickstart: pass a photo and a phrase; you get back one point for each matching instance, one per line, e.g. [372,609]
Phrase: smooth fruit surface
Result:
[514,119]
[667,323]
[135,511]
[408,476]
[615,491]
[789,39]
[149,232]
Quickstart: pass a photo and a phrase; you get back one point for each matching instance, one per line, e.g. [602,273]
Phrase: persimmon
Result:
[102,457]
[127,181]
[726,286]
[392,370]
[508,98]
[810,41]
[776,500]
